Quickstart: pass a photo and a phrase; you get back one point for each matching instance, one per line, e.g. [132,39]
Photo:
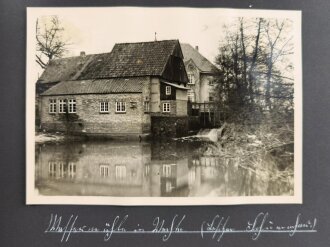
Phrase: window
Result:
[167,171]
[120,172]
[104,106]
[191,78]
[168,186]
[52,169]
[72,170]
[191,96]
[61,170]
[104,170]
[52,106]
[147,170]
[72,106]
[166,107]
[146,106]
[62,103]
[211,98]
[168,90]
[120,106]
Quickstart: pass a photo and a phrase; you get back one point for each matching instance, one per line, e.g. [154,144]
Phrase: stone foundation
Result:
[169,126]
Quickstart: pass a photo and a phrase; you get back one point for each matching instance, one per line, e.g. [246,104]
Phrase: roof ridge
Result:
[102,53]
[201,56]
[59,58]
[143,42]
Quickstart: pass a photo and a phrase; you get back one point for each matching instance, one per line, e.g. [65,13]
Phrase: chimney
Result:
[196,47]
[82,54]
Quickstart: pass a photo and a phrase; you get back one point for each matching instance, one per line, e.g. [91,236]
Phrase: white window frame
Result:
[52,106]
[166,107]
[104,106]
[147,170]
[52,169]
[168,90]
[72,169]
[104,171]
[72,106]
[168,186]
[62,106]
[121,106]
[167,171]
[121,171]
[191,79]
[61,170]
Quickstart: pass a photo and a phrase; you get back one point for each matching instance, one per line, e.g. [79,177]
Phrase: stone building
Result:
[202,75]
[124,92]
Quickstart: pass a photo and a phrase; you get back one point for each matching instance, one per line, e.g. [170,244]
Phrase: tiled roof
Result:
[132,59]
[99,86]
[64,69]
[190,53]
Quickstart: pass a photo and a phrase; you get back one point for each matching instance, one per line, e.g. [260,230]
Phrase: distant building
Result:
[202,75]
[137,88]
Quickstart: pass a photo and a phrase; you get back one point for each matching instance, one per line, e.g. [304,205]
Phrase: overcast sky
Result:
[96,30]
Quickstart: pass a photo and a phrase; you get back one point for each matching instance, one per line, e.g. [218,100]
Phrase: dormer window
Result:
[168,90]
[191,78]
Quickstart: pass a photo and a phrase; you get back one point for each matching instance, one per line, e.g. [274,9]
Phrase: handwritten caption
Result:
[215,228]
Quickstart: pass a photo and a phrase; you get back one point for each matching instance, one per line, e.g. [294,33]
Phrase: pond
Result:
[182,168]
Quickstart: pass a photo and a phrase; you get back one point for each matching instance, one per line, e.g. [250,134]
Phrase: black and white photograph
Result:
[163,106]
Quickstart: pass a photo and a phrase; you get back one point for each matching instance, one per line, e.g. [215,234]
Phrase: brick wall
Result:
[88,118]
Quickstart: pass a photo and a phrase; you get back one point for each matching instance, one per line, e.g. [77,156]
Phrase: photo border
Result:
[33,198]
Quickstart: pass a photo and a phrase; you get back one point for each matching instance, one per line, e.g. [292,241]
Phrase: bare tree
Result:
[278,45]
[50,41]
[255,60]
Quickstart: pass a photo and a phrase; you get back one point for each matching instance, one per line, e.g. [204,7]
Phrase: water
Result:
[182,168]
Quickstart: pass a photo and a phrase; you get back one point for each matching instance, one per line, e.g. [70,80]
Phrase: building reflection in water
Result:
[153,169]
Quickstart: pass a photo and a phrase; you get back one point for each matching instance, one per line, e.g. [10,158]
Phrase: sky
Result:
[96,30]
